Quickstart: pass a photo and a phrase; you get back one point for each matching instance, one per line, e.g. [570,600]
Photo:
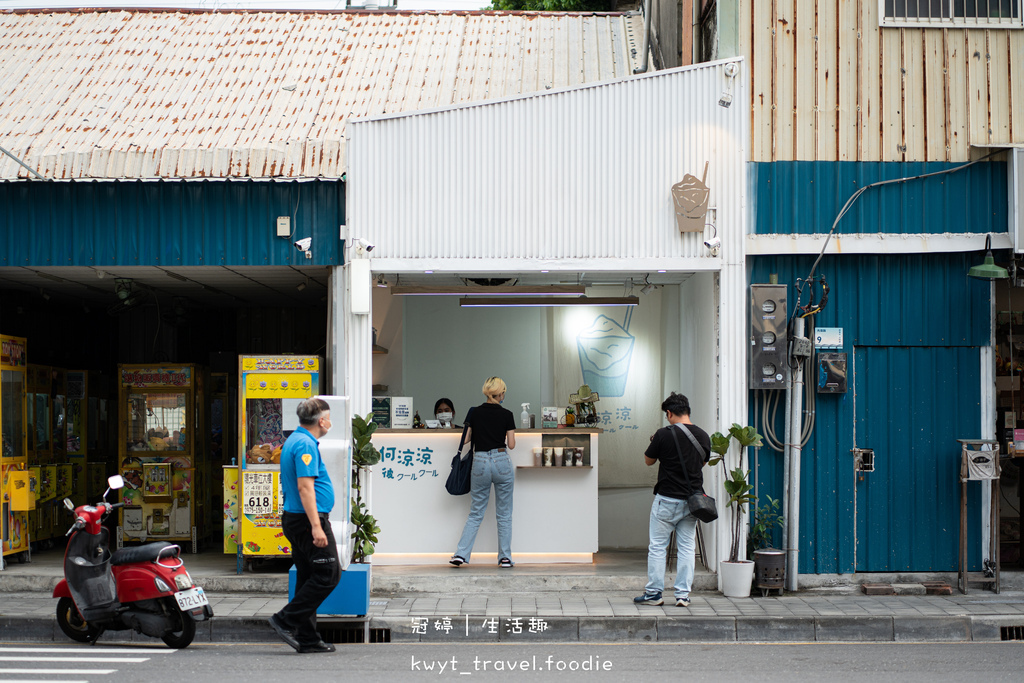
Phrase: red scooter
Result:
[143,588]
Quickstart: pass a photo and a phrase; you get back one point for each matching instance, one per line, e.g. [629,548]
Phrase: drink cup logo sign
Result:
[690,197]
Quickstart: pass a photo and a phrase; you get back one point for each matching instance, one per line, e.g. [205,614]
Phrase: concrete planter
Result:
[736,578]
[351,597]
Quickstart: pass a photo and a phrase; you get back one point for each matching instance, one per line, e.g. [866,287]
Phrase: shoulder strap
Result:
[693,440]
[465,428]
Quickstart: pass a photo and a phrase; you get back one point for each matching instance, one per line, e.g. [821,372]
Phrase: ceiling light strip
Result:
[522,290]
[510,302]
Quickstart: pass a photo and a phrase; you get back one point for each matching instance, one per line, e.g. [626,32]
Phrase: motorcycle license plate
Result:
[192,598]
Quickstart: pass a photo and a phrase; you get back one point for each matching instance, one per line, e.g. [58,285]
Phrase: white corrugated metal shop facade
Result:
[570,185]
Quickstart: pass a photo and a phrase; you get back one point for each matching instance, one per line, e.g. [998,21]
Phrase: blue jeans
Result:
[668,515]
[490,467]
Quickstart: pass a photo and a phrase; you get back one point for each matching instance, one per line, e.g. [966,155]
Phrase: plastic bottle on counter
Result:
[524,417]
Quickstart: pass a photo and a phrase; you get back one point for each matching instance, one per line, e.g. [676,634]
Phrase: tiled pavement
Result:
[442,604]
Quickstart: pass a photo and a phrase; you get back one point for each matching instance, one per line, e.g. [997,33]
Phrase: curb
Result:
[693,629]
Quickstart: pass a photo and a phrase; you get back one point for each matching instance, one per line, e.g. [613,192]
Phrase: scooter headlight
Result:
[183,580]
[161,586]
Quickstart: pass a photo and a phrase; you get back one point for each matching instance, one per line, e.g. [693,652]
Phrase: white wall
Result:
[689,359]
[387,319]
[450,351]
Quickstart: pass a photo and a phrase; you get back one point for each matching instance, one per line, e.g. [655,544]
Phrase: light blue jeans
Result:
[668,515]
[490,467]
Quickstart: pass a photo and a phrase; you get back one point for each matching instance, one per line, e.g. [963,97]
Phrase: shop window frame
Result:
[952,13]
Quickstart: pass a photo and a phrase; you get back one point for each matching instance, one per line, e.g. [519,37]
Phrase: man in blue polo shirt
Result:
[308,499]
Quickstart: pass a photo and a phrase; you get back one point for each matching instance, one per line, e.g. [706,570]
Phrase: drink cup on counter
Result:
[577,457]
[548,454]
[538,456]
[559,457]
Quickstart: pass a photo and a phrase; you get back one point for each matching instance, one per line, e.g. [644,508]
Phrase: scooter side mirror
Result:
[69,505]
[116,482]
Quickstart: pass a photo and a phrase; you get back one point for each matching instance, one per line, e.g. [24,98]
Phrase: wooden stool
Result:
[700,552]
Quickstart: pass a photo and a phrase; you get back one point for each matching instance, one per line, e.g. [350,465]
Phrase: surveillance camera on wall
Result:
[303,245]
[714,245]
[362,246]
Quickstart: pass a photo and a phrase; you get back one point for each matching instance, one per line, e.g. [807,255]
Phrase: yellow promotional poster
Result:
[18,488]
[281,363]
[231,510]
[279,385]
[259,498]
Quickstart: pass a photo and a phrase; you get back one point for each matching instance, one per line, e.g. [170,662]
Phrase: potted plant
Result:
[769,562]
[736,572]
[352,595]
[364,456]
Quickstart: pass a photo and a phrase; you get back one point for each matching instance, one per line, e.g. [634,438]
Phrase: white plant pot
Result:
[737,578]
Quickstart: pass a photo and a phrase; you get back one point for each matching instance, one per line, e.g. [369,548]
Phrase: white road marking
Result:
[124,660]
[80,672]
[98,649]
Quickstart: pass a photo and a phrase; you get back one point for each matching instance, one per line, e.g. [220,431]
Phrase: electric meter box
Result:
[768,341]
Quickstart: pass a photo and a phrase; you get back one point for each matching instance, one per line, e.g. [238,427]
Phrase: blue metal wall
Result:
[884,301]
[168,223]
[806,196]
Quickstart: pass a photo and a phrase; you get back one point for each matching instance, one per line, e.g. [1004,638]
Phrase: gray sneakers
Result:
[649,599]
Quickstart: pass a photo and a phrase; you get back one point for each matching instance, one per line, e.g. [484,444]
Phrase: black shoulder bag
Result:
[459,479]
[701,505]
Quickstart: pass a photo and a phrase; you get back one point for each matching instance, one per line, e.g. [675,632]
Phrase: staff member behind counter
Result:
[444,412]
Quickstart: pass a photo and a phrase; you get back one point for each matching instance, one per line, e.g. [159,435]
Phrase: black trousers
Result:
[317,572]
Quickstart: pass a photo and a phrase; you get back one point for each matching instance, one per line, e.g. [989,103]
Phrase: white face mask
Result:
[444,417]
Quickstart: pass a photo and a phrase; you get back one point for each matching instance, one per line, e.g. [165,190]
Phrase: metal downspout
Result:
[647,37]
[793,439]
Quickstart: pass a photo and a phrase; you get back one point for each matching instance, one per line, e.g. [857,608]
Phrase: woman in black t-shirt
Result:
[491,429]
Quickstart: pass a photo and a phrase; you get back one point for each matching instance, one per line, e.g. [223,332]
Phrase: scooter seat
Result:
[142,553]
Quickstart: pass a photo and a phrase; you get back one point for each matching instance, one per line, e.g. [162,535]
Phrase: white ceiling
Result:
[201,286]
[261,286]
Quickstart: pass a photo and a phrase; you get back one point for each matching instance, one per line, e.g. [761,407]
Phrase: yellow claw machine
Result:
[16,494]
[161,458]
[269,390]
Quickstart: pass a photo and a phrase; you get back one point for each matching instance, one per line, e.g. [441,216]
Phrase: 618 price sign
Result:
[257,493]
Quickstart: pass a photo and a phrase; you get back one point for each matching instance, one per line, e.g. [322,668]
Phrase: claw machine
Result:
[62,468]
[16,495]
[77,427]
[161,458]
[269,389]
[39,416]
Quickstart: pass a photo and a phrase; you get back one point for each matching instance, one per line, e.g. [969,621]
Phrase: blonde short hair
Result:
[494,386]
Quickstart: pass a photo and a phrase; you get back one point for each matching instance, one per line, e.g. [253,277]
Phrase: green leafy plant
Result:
[766,518]
[736,484]
[364,456]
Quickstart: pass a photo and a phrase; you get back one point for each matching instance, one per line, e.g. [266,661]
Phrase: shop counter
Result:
[554,516]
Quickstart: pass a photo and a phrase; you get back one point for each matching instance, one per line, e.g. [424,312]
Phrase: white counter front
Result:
[554,514]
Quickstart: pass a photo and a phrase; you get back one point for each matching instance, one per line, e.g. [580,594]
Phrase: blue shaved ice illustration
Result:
[605,350]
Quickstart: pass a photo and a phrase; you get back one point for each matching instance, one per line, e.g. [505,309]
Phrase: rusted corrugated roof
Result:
[144,94]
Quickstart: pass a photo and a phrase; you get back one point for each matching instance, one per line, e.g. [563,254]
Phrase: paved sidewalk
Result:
[560,617]
[554,603]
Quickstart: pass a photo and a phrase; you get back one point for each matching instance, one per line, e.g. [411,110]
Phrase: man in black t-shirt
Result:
[670,512]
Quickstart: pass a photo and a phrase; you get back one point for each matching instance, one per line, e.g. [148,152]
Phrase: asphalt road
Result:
[273,663]
[602,662]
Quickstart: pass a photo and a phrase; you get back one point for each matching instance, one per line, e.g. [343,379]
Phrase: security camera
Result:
[362,246]
[304,244]
[714,245]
